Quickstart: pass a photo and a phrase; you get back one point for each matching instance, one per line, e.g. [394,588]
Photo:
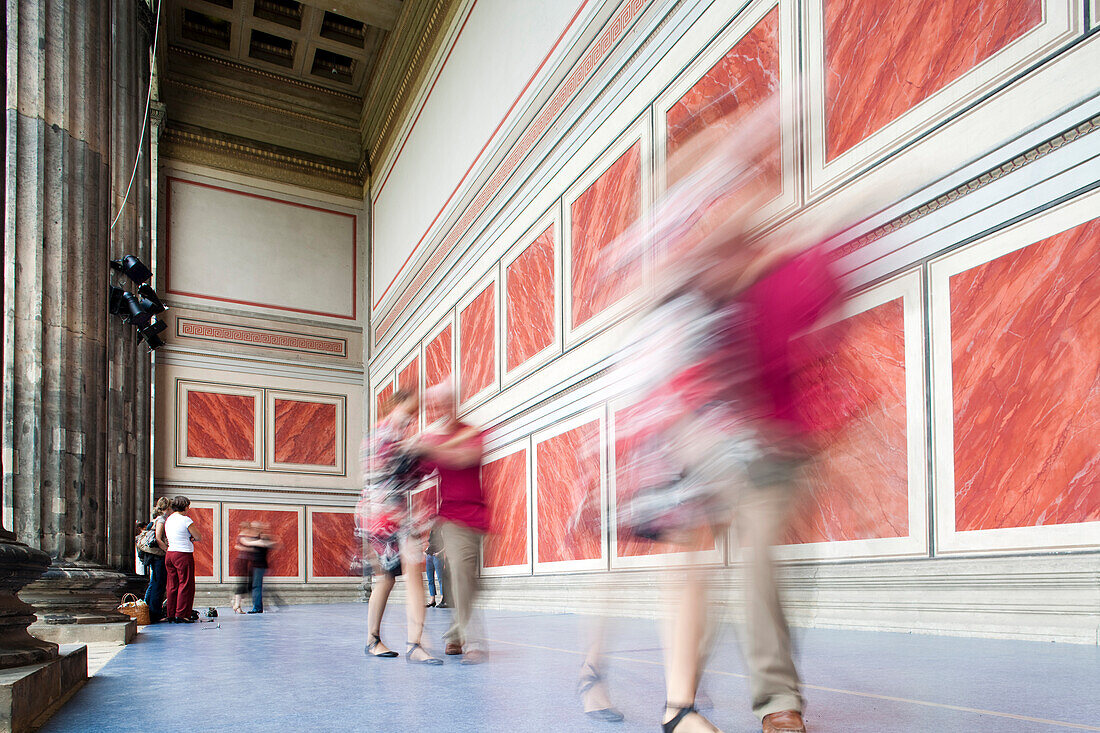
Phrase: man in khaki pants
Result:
[453,450]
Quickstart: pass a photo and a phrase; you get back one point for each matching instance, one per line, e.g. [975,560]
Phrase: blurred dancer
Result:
[395,543]
[718,432]
[261,544]
[453,450]
[242,566]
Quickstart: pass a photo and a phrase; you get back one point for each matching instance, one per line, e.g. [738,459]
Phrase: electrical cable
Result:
[145,119]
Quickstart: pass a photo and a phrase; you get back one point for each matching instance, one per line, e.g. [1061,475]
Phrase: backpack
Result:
[147,541]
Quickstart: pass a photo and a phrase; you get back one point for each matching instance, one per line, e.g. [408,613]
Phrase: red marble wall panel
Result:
[437,366]
[531,327]
[477,343]
[282,525]
[567,471]
[203,517]
[380,400]
[601,213]
[335,545]
[305,432]
[883,58]
[221,426]
[1025,360]
[408,378]
[505,484]
[858,488]
[742,80]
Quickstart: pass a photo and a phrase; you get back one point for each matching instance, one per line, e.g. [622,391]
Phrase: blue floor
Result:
[303,669]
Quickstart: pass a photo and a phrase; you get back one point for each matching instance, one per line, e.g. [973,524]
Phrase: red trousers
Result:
[181,583]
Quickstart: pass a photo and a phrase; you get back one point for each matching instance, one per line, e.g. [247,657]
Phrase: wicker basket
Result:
[135,608]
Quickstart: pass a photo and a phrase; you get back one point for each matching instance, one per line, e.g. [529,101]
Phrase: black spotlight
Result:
[133,268]
[150,331]
[149,300]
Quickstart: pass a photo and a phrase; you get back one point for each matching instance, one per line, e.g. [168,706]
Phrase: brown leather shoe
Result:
[788,721]
[453,649]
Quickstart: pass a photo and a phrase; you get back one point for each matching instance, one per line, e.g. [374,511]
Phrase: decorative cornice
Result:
[236,147]
[980,181]
[238,100]
[260,72]
[262,337]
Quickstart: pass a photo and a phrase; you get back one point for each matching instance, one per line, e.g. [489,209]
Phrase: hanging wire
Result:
[145,119]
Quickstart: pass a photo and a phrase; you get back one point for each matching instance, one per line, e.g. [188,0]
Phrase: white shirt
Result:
[177,530]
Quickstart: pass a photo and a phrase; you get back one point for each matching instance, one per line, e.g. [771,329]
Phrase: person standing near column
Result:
[154,594]
[453,450]
[179,529]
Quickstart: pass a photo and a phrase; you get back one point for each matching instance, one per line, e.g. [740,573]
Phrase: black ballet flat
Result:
[373,642]
[429,660]
[681,713]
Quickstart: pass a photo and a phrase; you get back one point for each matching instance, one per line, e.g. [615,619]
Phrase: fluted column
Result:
[129,402]
[59,176]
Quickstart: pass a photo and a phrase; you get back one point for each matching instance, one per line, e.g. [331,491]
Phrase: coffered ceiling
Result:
[298,91]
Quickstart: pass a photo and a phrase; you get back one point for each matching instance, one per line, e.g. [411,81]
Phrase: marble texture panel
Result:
[568,476]
[738,84]
[305,432]
[1025,365]
[283,526]
[477,343]
[505,484]
[858,486]
[531,324]
[598,216]
[221,426]
[437,366]
[408,378]
[381,398]
[335,545]
[881,59]
[203,517]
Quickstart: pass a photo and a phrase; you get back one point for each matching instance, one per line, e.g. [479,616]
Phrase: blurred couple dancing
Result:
[722,399]
[396,461]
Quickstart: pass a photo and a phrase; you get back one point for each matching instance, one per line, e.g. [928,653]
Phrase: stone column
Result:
[129,397]
[58,208]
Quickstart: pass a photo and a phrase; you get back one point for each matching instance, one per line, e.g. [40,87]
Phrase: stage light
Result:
[149,299]
[133,268]
[149,333]
[116,306]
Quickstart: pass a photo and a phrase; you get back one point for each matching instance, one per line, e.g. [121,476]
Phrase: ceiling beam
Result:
[379,13]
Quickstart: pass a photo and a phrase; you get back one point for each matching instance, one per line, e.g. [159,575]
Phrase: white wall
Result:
[499,48]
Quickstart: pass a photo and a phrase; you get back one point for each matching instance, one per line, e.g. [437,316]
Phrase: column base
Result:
[115,632]
[78,602]
[29,695]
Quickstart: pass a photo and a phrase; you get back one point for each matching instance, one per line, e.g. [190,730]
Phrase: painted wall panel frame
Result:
[382,385]
[185,387]
[716,556]
[448,321]
[727,34]
[490,280]
[229,535]
[215,541]
[597,415]
[1062,20]
[907,287]
[948,541]
[553,218]
[528,465]
[338,401]
[405,364]
[639,132]
[310,577]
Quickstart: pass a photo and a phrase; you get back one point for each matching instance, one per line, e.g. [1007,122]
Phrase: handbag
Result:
[136,609]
